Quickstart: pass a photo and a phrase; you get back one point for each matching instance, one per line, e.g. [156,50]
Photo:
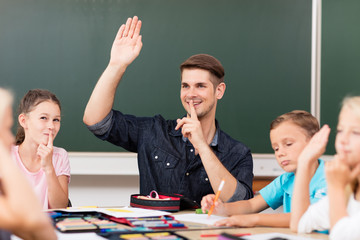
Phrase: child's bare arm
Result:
[301,199]
[253,205]
[257,219]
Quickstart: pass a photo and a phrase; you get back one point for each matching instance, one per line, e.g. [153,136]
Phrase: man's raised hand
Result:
[127,44]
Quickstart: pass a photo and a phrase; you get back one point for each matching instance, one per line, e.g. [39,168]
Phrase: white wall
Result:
[102,190]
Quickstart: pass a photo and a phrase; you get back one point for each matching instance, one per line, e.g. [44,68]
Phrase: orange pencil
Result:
[216,197]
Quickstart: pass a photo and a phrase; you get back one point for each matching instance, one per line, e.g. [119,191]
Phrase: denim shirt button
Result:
[187,174]
[206,179]
[167,164]
[156,157]
[191,150]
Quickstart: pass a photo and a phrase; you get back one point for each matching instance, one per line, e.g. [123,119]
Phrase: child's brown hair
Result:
[301,118]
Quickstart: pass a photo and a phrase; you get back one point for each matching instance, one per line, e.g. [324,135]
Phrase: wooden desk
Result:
[195,234]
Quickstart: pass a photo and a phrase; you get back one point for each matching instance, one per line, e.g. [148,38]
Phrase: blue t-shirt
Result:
[279,192]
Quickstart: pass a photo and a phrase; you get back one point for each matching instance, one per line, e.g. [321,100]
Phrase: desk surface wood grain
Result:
[196,234]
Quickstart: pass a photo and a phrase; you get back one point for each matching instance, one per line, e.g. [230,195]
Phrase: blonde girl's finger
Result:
[50,140]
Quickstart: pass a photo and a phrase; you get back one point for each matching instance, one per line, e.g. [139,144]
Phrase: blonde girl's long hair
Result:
[352,103]
[6,99]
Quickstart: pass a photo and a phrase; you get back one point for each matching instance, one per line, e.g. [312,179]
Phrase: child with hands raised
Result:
[339,212]
[289,134]
[47,167]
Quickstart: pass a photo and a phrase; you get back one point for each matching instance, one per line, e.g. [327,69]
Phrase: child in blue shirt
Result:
[289,134]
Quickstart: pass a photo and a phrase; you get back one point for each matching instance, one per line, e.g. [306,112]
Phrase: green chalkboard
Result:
[64,45]
[340,71]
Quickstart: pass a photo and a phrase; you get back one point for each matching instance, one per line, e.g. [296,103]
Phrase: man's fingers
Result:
[120,31]
[137,28]
[185,131]
[127,27]
[130,29]
[133,26]
[138,45]
[179,124]
[192,110]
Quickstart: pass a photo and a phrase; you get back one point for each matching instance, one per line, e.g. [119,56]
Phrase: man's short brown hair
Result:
[205,62]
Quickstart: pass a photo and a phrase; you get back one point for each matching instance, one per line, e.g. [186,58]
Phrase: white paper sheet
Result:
[198,218]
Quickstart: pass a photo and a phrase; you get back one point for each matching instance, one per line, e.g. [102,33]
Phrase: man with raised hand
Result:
[188,156]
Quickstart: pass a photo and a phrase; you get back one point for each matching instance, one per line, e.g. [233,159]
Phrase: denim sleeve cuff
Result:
[103,126]
[239,194]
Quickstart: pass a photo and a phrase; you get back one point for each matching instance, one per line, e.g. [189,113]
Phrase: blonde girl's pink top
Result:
[38,179]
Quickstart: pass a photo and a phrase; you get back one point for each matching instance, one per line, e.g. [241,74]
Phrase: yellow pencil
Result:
[216,197]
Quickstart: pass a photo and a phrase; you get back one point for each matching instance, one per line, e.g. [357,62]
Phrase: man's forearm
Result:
[103,95]
[216,172]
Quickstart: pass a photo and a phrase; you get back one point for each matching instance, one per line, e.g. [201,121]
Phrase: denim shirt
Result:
[167,161]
